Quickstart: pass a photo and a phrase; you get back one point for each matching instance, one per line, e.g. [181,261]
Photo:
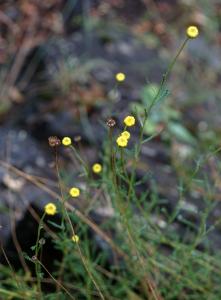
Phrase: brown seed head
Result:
[111,122]
[54,141]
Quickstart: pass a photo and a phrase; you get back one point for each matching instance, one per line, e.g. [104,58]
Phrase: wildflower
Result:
[74,192]
[192,32]
[122,141]
[126,134]
[66,141]
[111,122]
[120,77]
[50,209]
[54,141]
[75,238]
[129,121]
[97,168]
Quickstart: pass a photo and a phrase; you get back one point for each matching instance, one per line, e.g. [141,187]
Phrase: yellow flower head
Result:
[74,192]
[50,209]
[192,32]
[120,77]
[129,121]
[126,134]
[75,238]
[66,141]
[97,168]
[122,141]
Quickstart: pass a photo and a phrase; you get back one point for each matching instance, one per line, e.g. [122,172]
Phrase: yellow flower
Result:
[126,134]
[75,238]
[122,141]
[74,192]
[97,168]
[50,209]
[66,141]
[129,121]
[192,32]
[120,77]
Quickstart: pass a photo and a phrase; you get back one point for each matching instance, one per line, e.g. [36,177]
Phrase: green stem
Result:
[61,190]
[81,161]
[66,216]
[122,162]
[57,282]
[11,294]
[113,170]
[112,157]
[147,112]
[37,265]
[110,137]
[166,75]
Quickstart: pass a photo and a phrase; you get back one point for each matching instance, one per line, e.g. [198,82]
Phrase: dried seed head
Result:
[42,241]
[54,141]
[111,122]
[34,258]
[77,138]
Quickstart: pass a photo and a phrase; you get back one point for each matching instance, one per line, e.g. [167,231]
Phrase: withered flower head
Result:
[42,241]
[111,122]
[54,141]
[77,138]
[34,258]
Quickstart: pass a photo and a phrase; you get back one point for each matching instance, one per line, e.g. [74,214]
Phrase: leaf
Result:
[150,138]
[171,113]
[181,133]
[56,225]
[25,255]
[163,94]
[135,106]
[148,93]
[150,127]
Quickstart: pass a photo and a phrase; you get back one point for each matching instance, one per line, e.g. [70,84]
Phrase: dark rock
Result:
[19,150]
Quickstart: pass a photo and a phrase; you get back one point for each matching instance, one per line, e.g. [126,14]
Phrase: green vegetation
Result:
[137,252]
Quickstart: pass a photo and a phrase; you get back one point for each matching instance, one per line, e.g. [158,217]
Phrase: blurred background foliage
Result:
[68,52]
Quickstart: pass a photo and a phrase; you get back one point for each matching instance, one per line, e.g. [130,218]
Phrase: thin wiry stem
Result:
[37,248]
[56,281]
[147,112]
[65,215]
